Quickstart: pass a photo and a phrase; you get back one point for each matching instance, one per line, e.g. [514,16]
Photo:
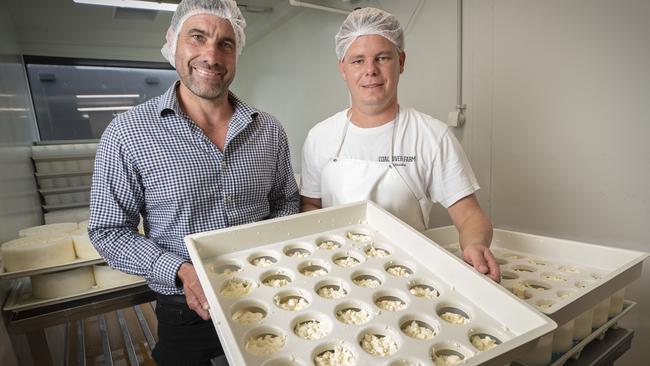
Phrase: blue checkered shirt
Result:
[155,162]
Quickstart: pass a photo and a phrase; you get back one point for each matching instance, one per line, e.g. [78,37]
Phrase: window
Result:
[76,99]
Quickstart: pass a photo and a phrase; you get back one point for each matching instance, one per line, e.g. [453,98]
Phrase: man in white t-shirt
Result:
[377,150]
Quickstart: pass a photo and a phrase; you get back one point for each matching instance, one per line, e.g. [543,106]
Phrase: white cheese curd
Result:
[416,331]
[339,356]
[247,317]
[537,262]
[398,271]
[276,282]
[425,292]
[291,303]
[367,282]
[330,292]
[519,290]
[544,305]
[564,295]
[315,273]
[454,318]
[265,344]
[310,330]
[569,269]
[262,262]
[391,305]
[483,344]
[347,262]
[298,254]
[329,244]
[371,251]
[379,345]
[230,271]
[353,316]
[553,277]
[363,238]
[237,288]
[447,360]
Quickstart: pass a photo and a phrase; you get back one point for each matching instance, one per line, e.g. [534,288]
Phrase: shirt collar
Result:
[243,115]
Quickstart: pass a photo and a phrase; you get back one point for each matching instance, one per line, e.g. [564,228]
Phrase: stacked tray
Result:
[578,285]
[353,282]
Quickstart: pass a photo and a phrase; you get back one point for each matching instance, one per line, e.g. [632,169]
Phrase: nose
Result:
[211,54]
[370,68]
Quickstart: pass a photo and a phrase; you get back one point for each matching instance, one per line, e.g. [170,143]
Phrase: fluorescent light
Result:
[104,109]
[2,109]
[134,4]
[7,95]
[93,96]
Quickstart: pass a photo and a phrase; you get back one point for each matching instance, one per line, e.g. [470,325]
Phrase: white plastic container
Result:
[289,251]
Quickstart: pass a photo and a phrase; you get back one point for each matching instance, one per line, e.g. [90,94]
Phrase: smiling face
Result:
[206,56]
[371,68]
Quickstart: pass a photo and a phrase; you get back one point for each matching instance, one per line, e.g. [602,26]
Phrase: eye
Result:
[357,62]
[227,46]
[197,37]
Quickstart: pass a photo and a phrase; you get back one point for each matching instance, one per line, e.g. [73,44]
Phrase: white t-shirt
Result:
[428,156]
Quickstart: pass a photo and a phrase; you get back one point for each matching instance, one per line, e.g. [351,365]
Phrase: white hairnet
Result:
[368,21]
[226,9]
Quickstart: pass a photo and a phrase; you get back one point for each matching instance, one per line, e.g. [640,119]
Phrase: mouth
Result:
[207,73]
[372,85]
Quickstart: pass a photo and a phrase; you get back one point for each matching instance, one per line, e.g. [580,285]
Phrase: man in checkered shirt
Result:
[194,159]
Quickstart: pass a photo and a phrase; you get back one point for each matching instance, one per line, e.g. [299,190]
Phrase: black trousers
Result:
[184,339]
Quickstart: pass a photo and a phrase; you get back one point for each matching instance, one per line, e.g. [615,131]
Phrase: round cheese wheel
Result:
[83,224]
[82,246]
[37,251]
[51,229]
[105,276]
[61,284]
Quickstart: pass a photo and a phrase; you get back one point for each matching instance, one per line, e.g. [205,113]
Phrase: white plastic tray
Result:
[490,308]
[602,270]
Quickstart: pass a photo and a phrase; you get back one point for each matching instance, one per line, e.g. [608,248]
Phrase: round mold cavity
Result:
[483,339]
[419,326]
[423,289]
[277,278]
[353,312]
[565,293]
[553,277]
[263,259]
[538,262]
[378,250]
[596,276]
[512,256]
[399,269]
[389,339]
[311,326]
[544,304]
[226,267]
[314,268]
[248,312]
[524,268]
[583,283]
[360,235]
[519,290]
[391,300]
[537,285]
[264,341]
[447,354]
[453,314]
[501,261]
[407,362]
[237,287]
[569,269]
[348,259]
[284,361]
[330,242]
[324,354]
[332,288]
[507,275]
[298,250]
[367,278]
[292,300]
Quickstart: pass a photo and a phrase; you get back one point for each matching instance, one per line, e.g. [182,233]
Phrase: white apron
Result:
[346,180]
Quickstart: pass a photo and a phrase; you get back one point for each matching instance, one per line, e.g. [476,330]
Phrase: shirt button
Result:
[224,165]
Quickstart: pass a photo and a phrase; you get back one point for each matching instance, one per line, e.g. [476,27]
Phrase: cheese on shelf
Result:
[62,284]
[37,252]
[51,229]
[106,277]
[82,246]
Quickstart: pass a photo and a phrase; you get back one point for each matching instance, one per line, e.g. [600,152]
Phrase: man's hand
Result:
[193,292]
[482,259]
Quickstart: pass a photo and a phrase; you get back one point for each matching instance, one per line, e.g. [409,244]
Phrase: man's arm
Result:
[284,198]
[475,232]
[310,204]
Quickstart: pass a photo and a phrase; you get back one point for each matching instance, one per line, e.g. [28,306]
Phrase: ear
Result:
[341,70]
[402,61]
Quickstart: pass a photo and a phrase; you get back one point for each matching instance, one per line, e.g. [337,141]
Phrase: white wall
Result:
[561,90]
